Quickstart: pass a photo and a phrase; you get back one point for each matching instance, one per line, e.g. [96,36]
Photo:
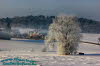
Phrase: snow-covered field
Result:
[90,37]
[32,50]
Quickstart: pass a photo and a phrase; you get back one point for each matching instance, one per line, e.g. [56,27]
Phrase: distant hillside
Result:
[41,21]
[89,26]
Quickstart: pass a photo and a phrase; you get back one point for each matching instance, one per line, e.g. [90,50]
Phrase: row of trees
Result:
[27,21]
[43,22]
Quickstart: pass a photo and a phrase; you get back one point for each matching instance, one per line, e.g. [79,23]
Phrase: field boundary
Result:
[90,42]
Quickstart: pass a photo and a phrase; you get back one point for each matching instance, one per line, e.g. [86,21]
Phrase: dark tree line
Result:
[89,26]
[41,21]
[27,21]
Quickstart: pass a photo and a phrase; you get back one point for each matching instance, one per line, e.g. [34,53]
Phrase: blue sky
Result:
[83,8]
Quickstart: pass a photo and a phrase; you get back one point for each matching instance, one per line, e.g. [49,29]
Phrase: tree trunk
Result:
[62,50]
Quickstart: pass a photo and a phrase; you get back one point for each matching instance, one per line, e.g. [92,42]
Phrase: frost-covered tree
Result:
[65,32]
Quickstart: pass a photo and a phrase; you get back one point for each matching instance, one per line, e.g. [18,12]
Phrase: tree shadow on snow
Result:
[94,54]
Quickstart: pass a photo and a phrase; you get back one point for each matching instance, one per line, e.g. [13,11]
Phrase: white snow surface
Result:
[32,50]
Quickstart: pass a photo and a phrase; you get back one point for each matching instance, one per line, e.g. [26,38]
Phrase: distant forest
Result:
[41,21]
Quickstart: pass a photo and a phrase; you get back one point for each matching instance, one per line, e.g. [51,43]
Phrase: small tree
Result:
[65,32]
[8,27]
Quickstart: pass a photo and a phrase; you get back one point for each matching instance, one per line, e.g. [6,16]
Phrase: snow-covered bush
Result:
[65,32]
